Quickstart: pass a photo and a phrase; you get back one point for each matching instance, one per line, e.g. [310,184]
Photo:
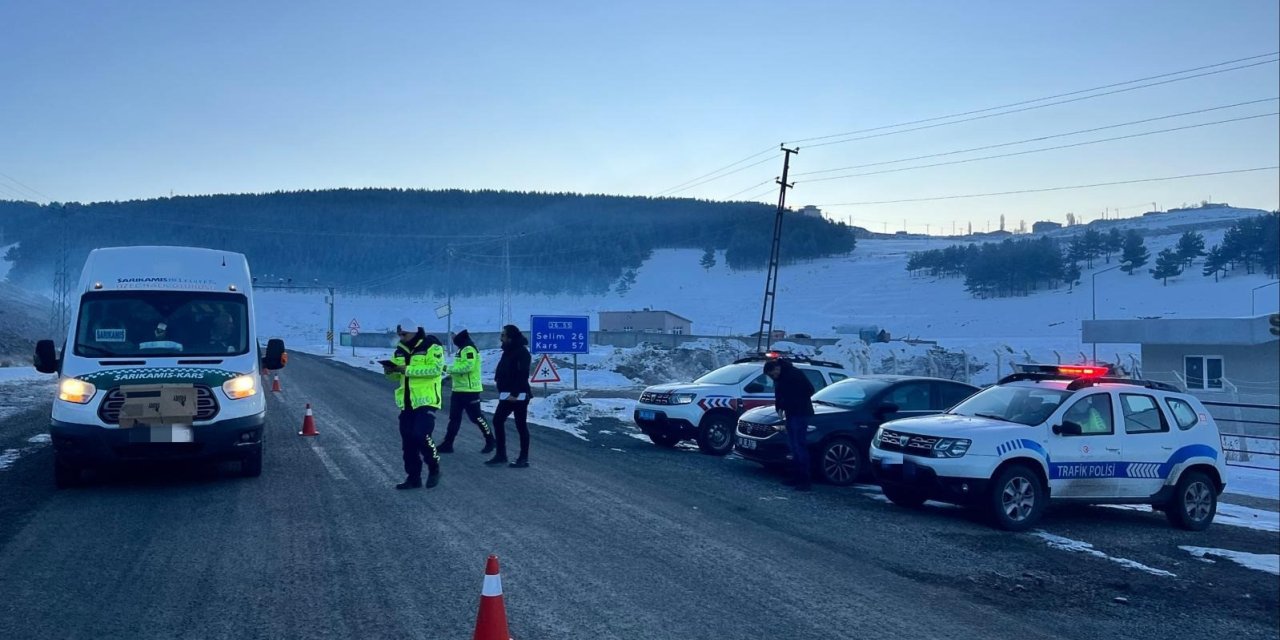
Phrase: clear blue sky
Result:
[105,101]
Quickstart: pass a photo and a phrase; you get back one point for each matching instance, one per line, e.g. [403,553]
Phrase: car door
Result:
[1086,465]
[912,398]
[1146,445]
[950,394]
[757,392]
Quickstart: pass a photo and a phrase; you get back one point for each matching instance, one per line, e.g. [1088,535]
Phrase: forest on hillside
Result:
[1017,267]
[415,241]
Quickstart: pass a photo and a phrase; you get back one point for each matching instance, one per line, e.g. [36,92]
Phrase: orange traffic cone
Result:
[308,424]
[491,622]
[275,384]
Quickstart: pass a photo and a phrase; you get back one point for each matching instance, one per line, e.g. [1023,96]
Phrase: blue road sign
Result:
[560,334]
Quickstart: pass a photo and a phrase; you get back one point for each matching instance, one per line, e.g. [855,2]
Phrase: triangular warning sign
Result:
[545,371]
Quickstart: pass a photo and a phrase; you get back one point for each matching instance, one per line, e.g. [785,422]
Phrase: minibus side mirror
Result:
[276,357]
[46,358]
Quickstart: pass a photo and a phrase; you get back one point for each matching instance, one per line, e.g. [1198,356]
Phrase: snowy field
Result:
[869,287]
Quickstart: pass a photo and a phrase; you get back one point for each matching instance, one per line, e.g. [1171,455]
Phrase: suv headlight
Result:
[682,398]
[951,447]
[241,387]
[76,391]
[875,440]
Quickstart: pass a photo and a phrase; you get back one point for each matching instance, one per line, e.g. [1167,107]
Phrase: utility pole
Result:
[506,296]
[330,299]
[765,339]
[61,277]
[448,298]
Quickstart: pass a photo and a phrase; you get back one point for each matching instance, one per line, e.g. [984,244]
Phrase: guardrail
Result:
[1250,433]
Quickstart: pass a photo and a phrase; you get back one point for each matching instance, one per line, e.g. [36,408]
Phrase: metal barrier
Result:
[1250,433]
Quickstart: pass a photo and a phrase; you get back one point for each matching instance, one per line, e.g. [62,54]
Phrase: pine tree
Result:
[1135,253]
[1094,245]
[1190,247]
[708,258]
[1113,243]
[1215,262]
[1070,272]
[1168,265]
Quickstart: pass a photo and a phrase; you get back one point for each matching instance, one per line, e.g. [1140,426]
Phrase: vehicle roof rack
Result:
[783,355]
[1149,384]
[1081,383]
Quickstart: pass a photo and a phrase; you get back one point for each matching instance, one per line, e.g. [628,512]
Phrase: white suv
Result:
[1066,433]
[707,409]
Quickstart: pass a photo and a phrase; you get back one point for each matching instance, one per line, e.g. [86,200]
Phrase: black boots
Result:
[520,463]
[488,445]
[433,478]
[496,460]
[410,484]
[446,447]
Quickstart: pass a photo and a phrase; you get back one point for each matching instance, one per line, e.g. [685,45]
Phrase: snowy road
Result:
[607,537]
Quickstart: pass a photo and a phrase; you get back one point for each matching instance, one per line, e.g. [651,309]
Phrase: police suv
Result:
[707,409]
[1069,434]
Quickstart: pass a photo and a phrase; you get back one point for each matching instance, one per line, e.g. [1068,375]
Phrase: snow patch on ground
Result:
[1077,546]
[1229,514]
[22,388]
[1268,562]
[1259,483]
[8,457]
[22,374]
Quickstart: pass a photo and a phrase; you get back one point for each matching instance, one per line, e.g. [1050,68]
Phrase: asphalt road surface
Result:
[608,537]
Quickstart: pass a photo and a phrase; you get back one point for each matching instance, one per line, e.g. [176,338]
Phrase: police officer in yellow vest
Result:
[464,377]
[416,368]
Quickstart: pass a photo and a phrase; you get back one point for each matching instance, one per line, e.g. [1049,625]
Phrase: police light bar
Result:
[1083,371]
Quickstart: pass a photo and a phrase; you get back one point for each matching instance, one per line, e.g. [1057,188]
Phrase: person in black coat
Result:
[792,398]
[514,393]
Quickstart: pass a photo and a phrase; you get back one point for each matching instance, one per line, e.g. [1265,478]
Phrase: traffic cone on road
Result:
[308,424]
[491,622]
[275,384]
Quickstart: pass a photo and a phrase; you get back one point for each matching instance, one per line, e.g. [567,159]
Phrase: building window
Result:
[678,331]
[1203,373]
[626,328]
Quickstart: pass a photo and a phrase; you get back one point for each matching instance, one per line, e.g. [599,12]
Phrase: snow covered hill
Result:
[869,287]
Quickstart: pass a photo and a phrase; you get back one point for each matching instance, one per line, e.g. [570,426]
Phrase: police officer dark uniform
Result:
[464,377]
[416,368]
[792,395]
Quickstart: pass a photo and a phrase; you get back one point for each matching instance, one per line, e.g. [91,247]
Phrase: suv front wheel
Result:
[715,436]
[1017,498]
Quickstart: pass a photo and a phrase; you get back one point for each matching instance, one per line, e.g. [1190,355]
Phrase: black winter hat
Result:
[461,339]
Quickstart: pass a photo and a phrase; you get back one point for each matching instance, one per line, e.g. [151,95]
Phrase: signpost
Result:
[354,329]
[560,335]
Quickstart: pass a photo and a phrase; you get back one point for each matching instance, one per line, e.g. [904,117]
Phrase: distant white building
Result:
[811,211]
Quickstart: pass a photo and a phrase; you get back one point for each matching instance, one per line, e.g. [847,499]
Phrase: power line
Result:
[754,186]
[1026,102]
[1036,139]
[705,175]
[25,187]
[710,180]
[1079,186]
[1041,106]
[1043,149]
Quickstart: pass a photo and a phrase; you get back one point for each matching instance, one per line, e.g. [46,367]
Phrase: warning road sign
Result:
[545,371]
[354,327]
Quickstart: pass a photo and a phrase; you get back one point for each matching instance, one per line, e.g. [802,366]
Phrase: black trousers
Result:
[465,402]
[520,410]
[416,426]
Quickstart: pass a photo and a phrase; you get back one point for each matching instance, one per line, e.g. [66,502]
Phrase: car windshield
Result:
[849,393]
[732,374]
[1024,405]
[162,323]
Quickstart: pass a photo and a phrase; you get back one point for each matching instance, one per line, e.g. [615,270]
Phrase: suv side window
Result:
[1142,414]
[837,377]
[815,378]
[1093,414]
[764,381]
[912,396]
[1183,413]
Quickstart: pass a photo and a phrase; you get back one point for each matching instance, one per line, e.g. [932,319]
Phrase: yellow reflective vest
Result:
[419,384]
[464,371]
